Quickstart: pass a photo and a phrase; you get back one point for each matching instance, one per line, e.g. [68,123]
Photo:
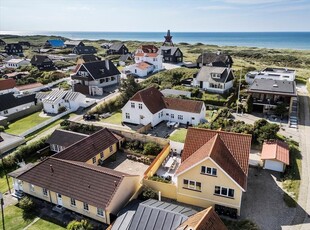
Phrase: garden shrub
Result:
[27,204]
[151,148]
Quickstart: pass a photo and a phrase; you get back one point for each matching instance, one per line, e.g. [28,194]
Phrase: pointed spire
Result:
[168,39]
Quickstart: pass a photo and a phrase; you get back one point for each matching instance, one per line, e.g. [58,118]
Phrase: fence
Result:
[25,112]
[167,190]
[157,162]
[45,123]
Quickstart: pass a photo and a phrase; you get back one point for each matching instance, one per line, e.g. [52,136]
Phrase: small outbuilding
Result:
[275,155]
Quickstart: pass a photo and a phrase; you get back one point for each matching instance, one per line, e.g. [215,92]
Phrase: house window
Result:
[190,184]
[208,170]
[111,148]
[133,105]
[101,81]
[162,113]
[5,111]
[72,202]
[222,191]
[85,206]
[127,116]
[140,106]
[44,190]
[112,78]
[167,114]
[94,160]
[101,155]
[100,212]
[53,106]
[180,117]
[31,187]
[172,115]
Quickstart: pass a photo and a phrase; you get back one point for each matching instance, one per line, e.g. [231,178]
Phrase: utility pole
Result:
[2,211]
[239,92]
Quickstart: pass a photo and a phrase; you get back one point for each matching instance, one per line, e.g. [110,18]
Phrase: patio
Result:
[169,166]
[162,129]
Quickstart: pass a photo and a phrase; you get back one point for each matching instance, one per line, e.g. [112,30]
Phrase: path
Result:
[32,223]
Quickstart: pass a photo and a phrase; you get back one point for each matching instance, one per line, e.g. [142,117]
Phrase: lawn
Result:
[25,123]
[116,118]
[13,218]
[3,184]
[179,135]
[43,224]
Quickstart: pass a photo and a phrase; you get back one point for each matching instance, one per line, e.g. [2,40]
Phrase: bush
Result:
[148,193]
[61,109]
[151,148]
[1,128]
[27,204]
[79,225]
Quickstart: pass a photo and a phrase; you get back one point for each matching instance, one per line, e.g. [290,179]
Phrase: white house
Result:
[68,99]
[271,73]
[147,61]
[91,78]
[275,155]
[150,106]
[10,104]
[16,63]
[214,79]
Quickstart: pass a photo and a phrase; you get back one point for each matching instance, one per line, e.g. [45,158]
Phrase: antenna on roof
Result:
[51,167]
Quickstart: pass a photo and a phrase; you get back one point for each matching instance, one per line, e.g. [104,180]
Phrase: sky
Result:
[155,15]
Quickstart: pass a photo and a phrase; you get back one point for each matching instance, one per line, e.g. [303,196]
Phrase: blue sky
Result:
[155,15]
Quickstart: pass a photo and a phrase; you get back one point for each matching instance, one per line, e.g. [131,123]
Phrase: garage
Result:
[274,165]
[275,155]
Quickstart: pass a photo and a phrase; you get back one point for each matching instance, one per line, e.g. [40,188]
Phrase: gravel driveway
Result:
[263,202]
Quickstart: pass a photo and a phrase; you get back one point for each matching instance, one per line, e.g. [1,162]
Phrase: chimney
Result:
[51,167]
[107,65]
[115,183]
[159,195]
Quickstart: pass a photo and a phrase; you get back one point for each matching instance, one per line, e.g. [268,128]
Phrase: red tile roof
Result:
[139,54]
[277,150]
[204,220]
[216,149]
[29,86]
[152,54]
[155,101]
[149,48]
[143,65]
[88,147]
[92,184]
[7,84]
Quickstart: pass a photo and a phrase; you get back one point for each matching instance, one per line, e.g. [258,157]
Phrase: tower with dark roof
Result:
[168,39]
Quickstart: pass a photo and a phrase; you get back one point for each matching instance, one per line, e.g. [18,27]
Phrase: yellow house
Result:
[214,169]
[71,178]
[93,191]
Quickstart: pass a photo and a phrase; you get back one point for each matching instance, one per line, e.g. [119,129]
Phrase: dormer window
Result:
[101,70]
[216,75]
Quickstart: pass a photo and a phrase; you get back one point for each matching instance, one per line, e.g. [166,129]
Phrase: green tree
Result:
[151,148]
[128,88]
[27,204]
[281,110]
[79,225]
[2,128]
[263,130]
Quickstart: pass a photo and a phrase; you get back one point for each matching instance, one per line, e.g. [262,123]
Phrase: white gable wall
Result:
[16,109]
[137,116]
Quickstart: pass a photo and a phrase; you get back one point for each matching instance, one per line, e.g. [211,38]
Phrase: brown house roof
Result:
[229,150]
[204,220]
[149,49]
[155,101]
[183,105]
[65,138]
[277,150]
[88,147]
[7,84]
[94,185]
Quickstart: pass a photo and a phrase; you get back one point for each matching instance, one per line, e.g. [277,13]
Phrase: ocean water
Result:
[285,40]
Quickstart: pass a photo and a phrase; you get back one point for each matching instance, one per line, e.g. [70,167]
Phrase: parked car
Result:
[89,117]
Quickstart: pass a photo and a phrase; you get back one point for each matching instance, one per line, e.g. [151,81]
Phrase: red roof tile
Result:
[277,150]
[143,65]
[204,220]
[238,144]
[183,105]
[7,84]
[149,49]
[29,86]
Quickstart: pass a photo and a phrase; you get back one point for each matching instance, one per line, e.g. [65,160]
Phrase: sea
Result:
[283,40]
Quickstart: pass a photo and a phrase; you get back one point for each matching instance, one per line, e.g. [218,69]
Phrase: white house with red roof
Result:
[150,106]
[147,61]
[275,155]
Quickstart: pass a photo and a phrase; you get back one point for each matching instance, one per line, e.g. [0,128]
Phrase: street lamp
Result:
[2,211]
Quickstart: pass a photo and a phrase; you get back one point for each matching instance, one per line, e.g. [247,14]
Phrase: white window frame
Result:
[192,187]
[31,186]
[100,212]
[94,160]
[45,192]
[213,171]
[72,202]
[133,105]
[127,116]
[221,193]
[85,207]
[111,148]
[180,117]
[140,106]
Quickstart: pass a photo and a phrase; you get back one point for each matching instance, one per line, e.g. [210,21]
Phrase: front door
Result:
[59,199]
[20,185]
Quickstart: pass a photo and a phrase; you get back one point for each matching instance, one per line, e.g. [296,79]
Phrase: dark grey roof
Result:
[205,74]
[65,138]
[125,57]
[273,87]
[153,214]
[8,100]
[89,57]
[116,46]
[39,59]
[15,46]
[101,69]
[170,49]
[278,70]
[72,42]
[209,58]
[84,50]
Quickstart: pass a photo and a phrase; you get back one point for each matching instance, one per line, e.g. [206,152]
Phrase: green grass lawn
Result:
[25,123]
[43,224]
[116,118]
[13,218]
[179,135]
[4,185]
